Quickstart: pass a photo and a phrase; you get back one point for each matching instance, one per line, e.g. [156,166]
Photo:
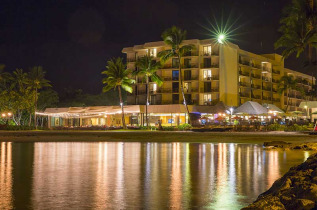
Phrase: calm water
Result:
[137,175]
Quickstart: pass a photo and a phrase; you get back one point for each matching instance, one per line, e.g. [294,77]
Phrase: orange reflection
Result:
[6,176]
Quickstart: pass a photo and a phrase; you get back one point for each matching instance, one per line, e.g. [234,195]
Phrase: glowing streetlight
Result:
[221,38]
[3,115]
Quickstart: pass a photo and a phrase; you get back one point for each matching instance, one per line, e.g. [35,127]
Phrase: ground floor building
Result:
[135,115]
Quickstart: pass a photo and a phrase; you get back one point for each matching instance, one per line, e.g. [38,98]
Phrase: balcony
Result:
[141,92]
[246,63]
[131,59]
[276,71]
[215,89]
[191,90]
[191,78]
[244,84]
[256,76]
[166,79]
[275,81]
[267,88]
[265,69]
[256,86]
[276,100]
[209,65]
[247,74]
[164,90]
[244,95]
[209,53]
[266,79]
[266,98]
[191,53]
[189,66]
[256,96]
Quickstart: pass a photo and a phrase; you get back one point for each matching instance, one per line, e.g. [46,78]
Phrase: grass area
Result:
[153,136]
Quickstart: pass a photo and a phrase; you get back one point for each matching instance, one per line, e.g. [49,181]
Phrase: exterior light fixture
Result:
[121,104]
[9,114]
[221,38]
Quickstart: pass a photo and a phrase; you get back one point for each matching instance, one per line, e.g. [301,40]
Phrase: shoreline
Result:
[155,136]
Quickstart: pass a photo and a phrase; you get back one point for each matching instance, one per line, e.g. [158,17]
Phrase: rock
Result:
[297,189]
[302,204]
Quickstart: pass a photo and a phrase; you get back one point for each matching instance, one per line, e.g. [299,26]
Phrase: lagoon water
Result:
[110,175]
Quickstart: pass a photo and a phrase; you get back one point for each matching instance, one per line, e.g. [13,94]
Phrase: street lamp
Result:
[221,38]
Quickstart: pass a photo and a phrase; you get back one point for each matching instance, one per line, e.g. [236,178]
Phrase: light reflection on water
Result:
[137,175]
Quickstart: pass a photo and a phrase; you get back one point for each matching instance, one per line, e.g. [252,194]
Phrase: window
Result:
[175,75]
[187,63]
[187,74]
[207,98]
[207,62]
[207,50]
[175,98]
[207,86]
[153,88]
[175,63]
[175,87]
[207,74]
[153,52]
[187,87]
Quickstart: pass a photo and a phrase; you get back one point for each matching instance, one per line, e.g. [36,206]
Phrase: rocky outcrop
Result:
[289,146]
[297,189]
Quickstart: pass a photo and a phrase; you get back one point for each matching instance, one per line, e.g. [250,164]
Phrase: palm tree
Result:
[288,83]
[174,38]
[147,67]
[299,30]
[36,82]
[117,76]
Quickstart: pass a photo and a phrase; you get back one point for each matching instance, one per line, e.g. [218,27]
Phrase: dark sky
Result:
[72,39]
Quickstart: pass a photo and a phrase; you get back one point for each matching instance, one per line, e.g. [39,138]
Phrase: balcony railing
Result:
[276,99]
[275,81]
[191,53]
[166,78]
[190,78]
[266,79]
[265,69]
[267,98]
[191,90]
[131,59]
[244,73]
[256,76]
[246,63]
[256,86]
[189,66]
[209,65]
[276,71]
[209,53]
[256,97]
[245,95]
[244,84]
[267,88]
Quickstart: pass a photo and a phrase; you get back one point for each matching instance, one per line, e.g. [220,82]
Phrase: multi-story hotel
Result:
[216,72]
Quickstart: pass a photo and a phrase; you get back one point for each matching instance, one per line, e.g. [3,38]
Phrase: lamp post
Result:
[6,116]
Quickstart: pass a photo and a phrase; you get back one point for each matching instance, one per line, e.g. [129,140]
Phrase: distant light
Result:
[9,114]
[3,115]
[221,38]
[305,107]
[121,104]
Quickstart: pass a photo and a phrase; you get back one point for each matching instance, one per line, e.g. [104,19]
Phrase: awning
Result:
[251,107]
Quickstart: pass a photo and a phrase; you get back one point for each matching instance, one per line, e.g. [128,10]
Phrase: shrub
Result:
[168,128]
[17,127]
[184,127]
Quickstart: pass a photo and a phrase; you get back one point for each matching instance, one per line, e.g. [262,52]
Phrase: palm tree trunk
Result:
[35,107]
[30,118]
[122,110]
[147,101]
[182,87]
[288,98]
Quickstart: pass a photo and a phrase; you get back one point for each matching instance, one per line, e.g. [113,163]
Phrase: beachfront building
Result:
[216,72]
[110,116]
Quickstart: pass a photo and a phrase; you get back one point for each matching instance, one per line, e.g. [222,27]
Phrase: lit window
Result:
[207,97]
[153,52]
[154,87]
[207,50]
[207,74]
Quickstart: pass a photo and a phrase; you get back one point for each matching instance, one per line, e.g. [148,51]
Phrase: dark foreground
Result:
[297,189]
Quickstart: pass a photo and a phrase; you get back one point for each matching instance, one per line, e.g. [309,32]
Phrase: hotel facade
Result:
[215,72]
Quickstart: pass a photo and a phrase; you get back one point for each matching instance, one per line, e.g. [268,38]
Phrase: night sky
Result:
[72,39]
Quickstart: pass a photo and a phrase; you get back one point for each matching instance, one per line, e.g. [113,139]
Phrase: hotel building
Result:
[216,72]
